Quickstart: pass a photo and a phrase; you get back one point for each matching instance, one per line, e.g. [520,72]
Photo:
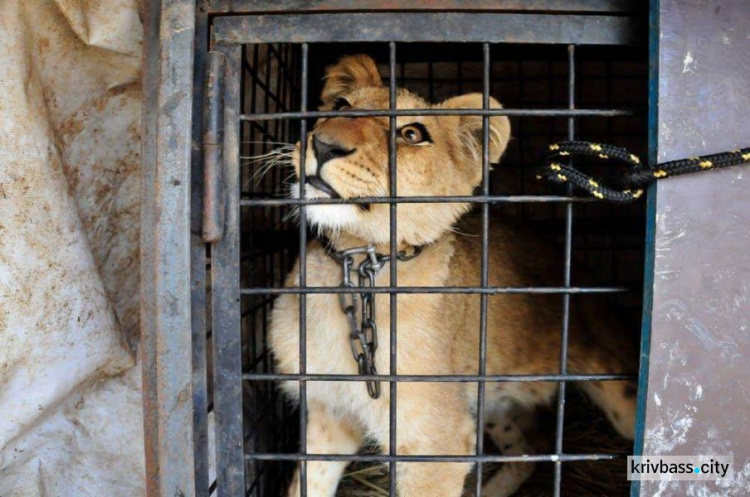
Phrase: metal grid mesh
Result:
[272,82]
[541,87]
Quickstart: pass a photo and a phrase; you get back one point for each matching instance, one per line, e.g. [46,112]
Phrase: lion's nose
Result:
[325,151]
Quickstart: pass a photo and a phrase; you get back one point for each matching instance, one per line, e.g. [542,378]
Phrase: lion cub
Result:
[438,334]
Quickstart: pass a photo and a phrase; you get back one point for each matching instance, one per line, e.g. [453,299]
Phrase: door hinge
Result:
[213,148]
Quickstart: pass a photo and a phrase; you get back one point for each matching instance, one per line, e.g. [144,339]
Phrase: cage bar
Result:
[491,290]
[303,278]
[482,359]
[437,112]
[561,390]
[478,199]
[436,378]
[393,267]
[426,458]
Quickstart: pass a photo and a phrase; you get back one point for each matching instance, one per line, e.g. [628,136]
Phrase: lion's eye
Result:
[341,104]
[415,134]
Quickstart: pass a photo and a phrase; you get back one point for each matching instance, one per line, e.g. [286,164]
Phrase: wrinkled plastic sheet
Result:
[70,107]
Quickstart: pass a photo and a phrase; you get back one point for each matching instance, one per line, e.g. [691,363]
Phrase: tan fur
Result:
[437,333]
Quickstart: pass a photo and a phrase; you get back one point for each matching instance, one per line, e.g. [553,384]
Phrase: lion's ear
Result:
[471,126]
[349,73]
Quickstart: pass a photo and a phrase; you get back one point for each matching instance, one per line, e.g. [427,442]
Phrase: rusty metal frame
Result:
[225,278]
[429,26]
[198,258]
[290,6]
[166,341]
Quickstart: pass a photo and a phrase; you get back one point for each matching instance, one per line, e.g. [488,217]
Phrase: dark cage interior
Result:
[606,240]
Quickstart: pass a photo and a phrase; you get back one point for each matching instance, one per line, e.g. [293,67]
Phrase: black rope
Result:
[633,182]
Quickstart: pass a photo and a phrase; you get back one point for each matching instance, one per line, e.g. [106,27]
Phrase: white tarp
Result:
[70,101]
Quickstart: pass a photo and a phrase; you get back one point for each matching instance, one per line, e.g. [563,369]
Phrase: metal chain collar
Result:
[363,336]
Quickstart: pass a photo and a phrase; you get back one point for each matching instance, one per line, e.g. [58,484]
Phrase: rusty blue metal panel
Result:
[697,377]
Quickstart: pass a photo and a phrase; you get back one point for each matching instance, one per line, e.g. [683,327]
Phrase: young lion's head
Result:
[348,157]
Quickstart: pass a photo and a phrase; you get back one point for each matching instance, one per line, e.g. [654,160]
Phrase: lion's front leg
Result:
[432,420]
[326,434]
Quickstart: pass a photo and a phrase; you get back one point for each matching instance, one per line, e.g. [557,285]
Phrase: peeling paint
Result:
[688,63]
[696,400]
[669,433]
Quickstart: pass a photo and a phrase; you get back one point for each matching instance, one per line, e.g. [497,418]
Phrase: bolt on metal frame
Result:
[227,290]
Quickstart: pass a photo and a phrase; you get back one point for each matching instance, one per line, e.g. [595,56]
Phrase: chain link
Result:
[363,335]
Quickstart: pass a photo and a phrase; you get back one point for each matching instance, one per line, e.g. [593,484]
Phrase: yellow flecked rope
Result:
[561,173]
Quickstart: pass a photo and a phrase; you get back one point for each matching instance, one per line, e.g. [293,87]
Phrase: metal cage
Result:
[553,89]
[214,422]
[559,75]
